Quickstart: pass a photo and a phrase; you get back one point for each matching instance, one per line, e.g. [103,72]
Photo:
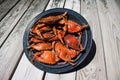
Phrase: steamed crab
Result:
[53,39]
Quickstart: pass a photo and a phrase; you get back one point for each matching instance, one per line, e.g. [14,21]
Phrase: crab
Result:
[64,53]
[47,56]
[74,27]
[71,41]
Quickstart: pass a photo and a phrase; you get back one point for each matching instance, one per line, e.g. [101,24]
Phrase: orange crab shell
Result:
[40,46]
[74,27]
[47,57]
[64,53]
[71,41]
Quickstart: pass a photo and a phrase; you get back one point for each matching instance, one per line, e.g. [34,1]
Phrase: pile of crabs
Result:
[54,40]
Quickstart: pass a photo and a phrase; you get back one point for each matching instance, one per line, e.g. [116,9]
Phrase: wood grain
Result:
[55,4]
[12,18]
[110,27]
[12,48]
[96,69]
[5,6]
[67,76]
[73,4]
[26,71]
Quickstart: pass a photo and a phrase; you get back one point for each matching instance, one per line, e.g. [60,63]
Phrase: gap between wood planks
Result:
[16,66]
[44,74]
[9,9]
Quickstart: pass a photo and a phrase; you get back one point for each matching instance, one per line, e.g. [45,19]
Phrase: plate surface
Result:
[86,41]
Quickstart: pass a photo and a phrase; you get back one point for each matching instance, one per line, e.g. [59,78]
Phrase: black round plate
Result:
[86,41]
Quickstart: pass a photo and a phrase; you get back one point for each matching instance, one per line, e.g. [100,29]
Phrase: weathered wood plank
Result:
[73,4]
[67,76]
[5,6]
[95,70]
[55,4]
[12,48]
[50,76]
[11,19]
[110,31]
[114,9]
[26,71]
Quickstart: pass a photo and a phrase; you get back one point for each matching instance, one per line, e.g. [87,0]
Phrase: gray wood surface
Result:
[12,18]
[26,71]
[5,6]
[110,31]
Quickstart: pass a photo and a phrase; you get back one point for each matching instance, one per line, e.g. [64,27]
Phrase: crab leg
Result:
[80,41]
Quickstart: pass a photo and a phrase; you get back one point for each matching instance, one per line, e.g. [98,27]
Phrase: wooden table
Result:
[103,17]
